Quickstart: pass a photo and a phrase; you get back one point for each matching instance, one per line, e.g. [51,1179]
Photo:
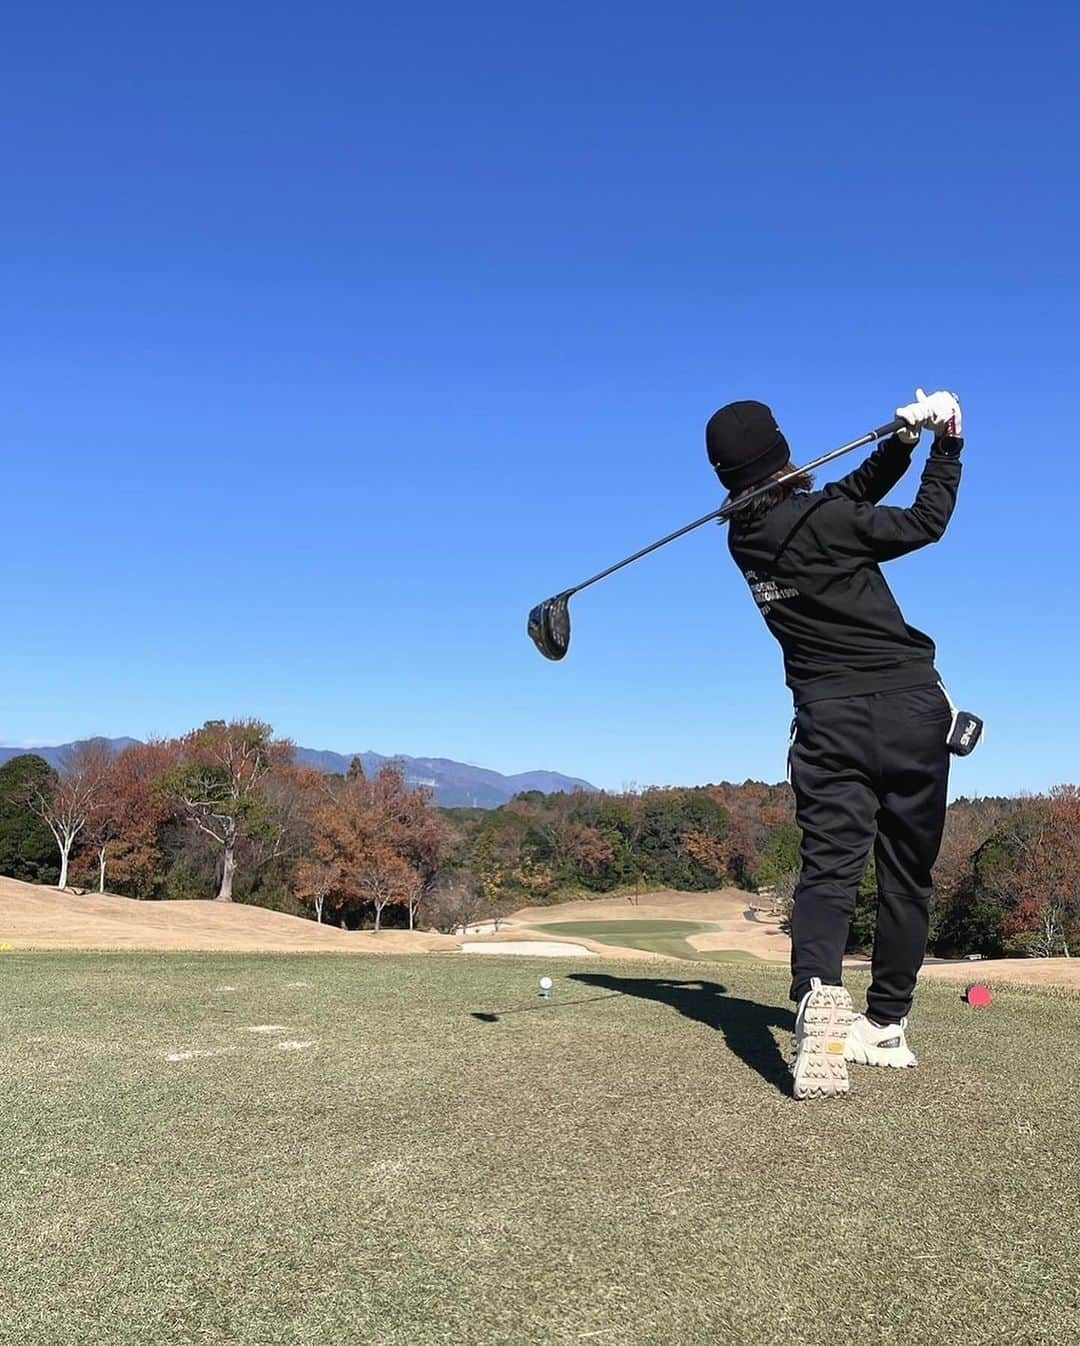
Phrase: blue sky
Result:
[335,337]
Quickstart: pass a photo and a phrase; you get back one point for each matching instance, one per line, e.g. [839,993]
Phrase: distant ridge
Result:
[456,784]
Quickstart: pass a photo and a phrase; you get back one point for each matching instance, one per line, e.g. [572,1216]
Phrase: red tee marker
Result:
[979,995]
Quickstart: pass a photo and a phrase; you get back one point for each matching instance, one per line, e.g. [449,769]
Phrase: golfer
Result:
[869,759]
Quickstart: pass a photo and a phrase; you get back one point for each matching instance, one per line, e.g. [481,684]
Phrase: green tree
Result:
[27,848]
[779,854]
[221,786]
[677,829]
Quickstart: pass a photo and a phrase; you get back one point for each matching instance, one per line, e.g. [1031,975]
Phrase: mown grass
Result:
[670,938]
[456,1161]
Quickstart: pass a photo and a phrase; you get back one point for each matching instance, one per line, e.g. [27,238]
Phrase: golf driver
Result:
[549,621]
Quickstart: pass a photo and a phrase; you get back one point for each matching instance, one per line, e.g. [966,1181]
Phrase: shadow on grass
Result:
[746,1025]
[493,1016]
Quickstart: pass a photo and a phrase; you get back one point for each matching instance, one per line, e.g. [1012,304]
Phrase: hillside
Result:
[43,918]
[456,784]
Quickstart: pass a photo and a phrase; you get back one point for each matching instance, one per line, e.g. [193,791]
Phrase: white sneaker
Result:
[821,1030]
[869,1045]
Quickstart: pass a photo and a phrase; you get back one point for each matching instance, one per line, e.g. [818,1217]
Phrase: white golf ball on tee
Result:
[545,983]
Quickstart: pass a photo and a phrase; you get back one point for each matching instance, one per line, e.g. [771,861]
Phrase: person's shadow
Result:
[746,1025]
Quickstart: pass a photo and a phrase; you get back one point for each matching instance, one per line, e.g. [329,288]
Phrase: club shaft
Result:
[725,512]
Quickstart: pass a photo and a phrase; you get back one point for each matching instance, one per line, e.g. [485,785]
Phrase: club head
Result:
[549,626]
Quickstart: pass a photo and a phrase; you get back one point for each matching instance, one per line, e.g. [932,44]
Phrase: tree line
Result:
[226,812]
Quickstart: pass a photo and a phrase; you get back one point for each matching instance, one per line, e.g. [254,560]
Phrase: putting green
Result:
[670,938]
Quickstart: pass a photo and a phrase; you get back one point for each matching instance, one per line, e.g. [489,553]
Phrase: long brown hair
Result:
[767,500]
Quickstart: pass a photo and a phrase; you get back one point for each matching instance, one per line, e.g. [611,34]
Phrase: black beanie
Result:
[745,445]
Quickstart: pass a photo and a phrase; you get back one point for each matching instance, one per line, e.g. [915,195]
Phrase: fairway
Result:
[666,937]
[420,1151]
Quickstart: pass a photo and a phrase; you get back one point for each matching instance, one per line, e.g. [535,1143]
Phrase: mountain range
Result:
[456,784]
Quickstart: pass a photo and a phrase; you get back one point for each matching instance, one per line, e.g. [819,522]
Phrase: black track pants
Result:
[868,769]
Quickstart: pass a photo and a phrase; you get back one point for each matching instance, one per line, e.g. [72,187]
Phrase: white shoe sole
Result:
[859,1054]
[820,1070]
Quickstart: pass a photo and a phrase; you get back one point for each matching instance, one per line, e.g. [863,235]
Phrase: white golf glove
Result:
[939,412]
[948,419]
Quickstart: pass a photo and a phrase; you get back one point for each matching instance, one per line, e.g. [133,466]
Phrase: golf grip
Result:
[725,511]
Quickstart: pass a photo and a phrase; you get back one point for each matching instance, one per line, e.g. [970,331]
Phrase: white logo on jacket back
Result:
[767,591]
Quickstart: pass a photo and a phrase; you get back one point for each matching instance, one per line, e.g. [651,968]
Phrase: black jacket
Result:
[812,563]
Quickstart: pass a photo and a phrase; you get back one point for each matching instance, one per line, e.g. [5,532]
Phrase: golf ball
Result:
[545,983]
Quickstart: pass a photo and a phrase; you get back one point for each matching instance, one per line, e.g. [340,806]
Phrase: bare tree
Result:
[1051,936]
[386,879]
[66,808]
[288,794]
[317,882]
[454,902]
[783,896]
[412,892]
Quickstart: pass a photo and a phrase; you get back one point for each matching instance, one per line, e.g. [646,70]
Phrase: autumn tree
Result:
[375,843]
[709,851]
[221,785]
[754,810]
[386,879]
[128,809]
[66,806]
[1049,875]
[424,840]
[316,882]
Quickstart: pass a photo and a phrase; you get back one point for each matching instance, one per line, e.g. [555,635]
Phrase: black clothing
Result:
[869,759]
[866,766]
[813,566]
[745,445]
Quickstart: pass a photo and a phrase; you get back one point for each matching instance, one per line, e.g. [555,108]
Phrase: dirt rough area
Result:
[43,918]
[1061,972]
